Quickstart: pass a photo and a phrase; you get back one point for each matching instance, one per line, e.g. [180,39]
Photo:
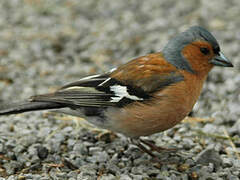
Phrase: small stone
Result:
[12,167]
[137,177]
[108,177]
[227,162]
[34,176]
[71,142]
[20,177]
[190,162]
[177,138]
[183,167]
[35,166]
[113,168]
[194,175]
[61,175]
[102,156]
[12,177]
[223,174]
[42,152]
[187,143]
[19,149]
[236,163]
[80,149]
[124,177]
[210,167]
[184,176]
[1,148]
[95,150]
[209,128]
[209,156]
[78,162]
[232,177]
[58,137]
[236,173]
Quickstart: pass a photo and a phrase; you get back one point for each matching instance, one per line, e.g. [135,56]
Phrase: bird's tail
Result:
[20,107]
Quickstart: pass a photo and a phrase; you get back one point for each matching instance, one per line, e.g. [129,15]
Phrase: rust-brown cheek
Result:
[198,61]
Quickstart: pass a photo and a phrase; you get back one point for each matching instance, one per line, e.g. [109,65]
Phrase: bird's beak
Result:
[221,60]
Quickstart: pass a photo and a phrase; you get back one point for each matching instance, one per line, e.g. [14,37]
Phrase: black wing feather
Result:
[96,91]
[81,93]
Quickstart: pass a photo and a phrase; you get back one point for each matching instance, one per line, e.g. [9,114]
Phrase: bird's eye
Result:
[205,51]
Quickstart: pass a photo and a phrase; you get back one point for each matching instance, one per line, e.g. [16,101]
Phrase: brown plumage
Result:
[147,95]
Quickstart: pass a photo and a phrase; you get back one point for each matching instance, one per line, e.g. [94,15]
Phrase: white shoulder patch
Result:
[121,92]
[113,69]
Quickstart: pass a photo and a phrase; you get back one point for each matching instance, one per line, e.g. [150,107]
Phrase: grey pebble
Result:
[80,149]
[236,163]
[18,149]
[184,176]
[12,167]
[32,176]
[107,177]
[209,128]
[187,143]
[235,129]
[227,162]
[12,177]
[71,143]
[190,162]
[72,178]
[209,156]
[125,177]
[232,177]
[98,157]
[1,147]
[60,174]
[95,150]
[236,172]
[138,177]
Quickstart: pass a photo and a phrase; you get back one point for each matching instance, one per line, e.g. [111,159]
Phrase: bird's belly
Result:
[145,120]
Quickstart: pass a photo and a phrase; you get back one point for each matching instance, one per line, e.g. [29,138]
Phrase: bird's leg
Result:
[137,142]
[153,147]
[149,147]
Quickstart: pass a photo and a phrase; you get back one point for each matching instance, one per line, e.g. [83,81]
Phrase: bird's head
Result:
[195,50]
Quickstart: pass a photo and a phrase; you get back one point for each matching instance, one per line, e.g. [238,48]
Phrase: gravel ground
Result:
[46,43]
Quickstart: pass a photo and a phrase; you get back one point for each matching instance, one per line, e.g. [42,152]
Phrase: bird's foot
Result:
[149,147]
[155,148]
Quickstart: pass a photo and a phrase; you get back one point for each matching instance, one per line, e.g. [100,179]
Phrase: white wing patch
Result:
[104,81]
[121,92]
[90,77]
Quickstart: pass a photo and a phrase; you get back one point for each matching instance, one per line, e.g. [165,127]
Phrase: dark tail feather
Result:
[15,108]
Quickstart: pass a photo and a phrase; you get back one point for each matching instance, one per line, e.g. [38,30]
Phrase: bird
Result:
[147,95]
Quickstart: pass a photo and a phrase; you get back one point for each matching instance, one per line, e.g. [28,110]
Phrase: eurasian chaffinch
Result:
[147,95]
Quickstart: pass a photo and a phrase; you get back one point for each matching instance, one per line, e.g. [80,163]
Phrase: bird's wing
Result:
[134,81]
[82,93]
[149,73]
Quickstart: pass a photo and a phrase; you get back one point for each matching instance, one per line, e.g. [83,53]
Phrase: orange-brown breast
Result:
[166,109]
